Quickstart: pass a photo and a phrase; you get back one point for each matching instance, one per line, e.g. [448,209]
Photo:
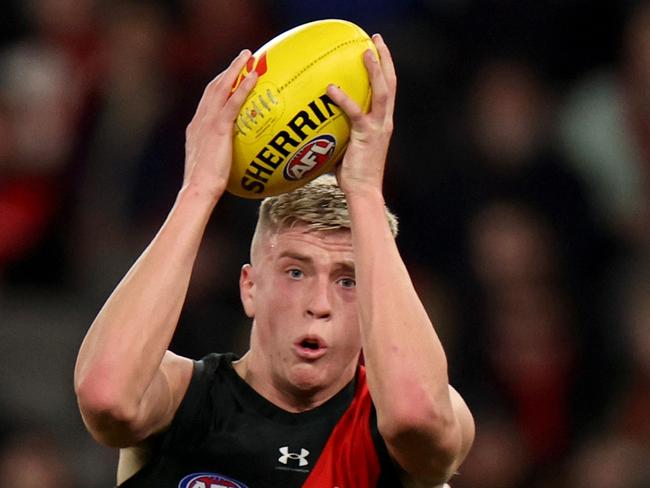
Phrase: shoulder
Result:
[215,361]
[131,460]
[207,373]
[206,370]
[193,412]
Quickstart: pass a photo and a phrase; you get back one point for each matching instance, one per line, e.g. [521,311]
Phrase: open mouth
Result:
[310,344]
[310,347]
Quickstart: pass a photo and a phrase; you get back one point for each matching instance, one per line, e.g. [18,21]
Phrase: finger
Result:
[349,106]
[380,93]
[388,68]
[208,99]
[223,88]
[386,59]
[203,102]
[234,104]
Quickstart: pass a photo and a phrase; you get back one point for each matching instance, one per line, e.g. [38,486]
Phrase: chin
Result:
[308,378]
[311,378]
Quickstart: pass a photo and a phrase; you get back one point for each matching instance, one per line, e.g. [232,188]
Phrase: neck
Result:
[286,396]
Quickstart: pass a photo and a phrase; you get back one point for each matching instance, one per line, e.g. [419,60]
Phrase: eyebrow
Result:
[295,255]
[347,264]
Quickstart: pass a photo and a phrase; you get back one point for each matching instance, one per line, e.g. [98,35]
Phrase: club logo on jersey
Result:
[286,455]
[310,157]
[209,480]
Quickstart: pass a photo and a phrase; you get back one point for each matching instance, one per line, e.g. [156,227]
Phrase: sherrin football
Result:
[289,131]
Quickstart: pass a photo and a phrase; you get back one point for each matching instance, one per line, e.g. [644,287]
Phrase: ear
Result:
[247,290]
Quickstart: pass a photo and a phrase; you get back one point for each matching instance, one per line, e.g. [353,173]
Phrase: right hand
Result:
[208,144]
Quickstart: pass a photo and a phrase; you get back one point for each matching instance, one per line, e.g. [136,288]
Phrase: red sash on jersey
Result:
[349,459]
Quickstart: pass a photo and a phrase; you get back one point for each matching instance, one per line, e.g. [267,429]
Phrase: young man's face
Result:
[301,292]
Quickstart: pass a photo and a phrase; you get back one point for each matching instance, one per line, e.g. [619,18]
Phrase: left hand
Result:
[362,168]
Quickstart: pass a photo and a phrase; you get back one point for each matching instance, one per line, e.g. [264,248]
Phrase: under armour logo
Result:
[286,455]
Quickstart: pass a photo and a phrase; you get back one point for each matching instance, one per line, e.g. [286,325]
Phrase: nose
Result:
[319,305]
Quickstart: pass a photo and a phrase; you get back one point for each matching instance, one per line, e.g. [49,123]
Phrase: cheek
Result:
[349,331]
[276,299]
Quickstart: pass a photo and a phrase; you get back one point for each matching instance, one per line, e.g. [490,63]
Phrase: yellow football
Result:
[289,131]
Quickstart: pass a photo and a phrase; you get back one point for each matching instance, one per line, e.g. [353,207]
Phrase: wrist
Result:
[199,194]
[364,195]
[202,191]
[369,213]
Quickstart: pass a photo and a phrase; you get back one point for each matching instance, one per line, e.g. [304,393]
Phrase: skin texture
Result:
[301,286]
[340,290]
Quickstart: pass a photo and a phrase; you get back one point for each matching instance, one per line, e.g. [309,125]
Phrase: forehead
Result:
[301,241]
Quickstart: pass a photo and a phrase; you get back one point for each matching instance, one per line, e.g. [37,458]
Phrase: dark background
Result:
[519,169]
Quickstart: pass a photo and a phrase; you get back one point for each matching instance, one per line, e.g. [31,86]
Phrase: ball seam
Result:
[319,58]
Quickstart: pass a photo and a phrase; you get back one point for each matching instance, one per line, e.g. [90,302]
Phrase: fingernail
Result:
[243,51]
[377,36]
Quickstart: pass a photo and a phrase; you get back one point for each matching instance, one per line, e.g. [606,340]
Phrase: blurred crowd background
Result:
[520,169]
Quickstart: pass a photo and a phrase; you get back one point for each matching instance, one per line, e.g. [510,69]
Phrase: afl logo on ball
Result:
[313,155]
[209,480]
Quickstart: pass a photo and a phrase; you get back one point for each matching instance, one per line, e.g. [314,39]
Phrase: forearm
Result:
[126,343]
[406,363]
[427,427]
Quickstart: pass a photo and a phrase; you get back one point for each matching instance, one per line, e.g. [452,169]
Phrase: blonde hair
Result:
[320,205]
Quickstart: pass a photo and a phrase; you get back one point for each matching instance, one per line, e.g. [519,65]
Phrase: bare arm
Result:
[128,384]
[426,425]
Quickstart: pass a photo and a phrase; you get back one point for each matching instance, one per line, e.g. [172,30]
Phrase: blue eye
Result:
[347,282]
[295,273]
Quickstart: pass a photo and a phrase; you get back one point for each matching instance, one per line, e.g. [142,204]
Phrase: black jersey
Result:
[226,435]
